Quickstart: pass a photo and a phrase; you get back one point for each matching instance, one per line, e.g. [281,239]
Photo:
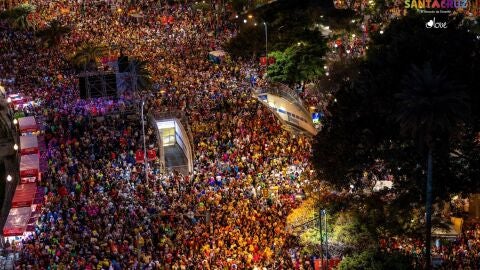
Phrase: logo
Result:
[436,4]
[434,24]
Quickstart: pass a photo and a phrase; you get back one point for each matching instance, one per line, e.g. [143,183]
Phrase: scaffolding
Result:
[98,84]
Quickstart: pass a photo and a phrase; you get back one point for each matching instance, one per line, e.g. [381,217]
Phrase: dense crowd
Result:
[101,212]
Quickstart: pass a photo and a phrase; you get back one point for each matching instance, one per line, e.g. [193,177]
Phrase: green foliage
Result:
[238,5]
[250,42]
[362,139]
[351,231]
[361,134]
[202,6]
[143,77]
[375,260]
[300,62]
[287,23]
[17,17]
[310,237]
[430,105]
[51,35]
[87,56]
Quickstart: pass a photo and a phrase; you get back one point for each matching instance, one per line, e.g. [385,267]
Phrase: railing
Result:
[286,93]
[161,154]
[187,142]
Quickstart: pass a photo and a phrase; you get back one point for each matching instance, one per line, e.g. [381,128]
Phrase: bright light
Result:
[353,35]
[381,32]
[9,178]
[15,147]
[250,16]
[327,27]
[299,43]
[9,100]
[335,100]
[255,24]
[348,51]
[326,73]
[325,67]
[352,186]
[335,45]
[236,16]
[15,121]
[119,10]
[353,21]
[245,21]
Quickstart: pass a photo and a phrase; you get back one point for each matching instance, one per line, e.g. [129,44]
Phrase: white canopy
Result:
[28,144]
[218,53]
[29,165]
[27,124]
[17,221]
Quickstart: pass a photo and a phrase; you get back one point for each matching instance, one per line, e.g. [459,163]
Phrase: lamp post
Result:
[266,42]
[144,145]
[321,238]
[324,212]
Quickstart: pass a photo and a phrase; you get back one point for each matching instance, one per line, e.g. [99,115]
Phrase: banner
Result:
[139,156]
[263,60]
[151,154]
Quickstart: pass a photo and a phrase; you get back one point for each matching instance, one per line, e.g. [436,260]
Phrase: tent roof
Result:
[28,141]
[29,162]
[27,124]
[24,195]
[218,53]
[17,221]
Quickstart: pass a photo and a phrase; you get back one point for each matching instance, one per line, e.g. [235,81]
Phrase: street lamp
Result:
[15,147]
[144,145]
[324,213]
[266,41]
[9,178]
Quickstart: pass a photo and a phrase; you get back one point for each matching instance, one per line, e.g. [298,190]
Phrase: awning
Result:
[27,124]
[24,195]
[445,233]
[29,165]
[216,56]
[17,221]
[28,145]
[218,53]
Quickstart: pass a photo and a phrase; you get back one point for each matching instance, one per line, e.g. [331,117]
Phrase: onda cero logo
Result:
[433,24]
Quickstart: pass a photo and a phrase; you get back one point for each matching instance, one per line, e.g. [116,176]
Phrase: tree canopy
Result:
[362,134]
[363,140]
[18,17]
[300,62]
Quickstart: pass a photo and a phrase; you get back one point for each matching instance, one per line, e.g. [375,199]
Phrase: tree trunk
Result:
[428,210]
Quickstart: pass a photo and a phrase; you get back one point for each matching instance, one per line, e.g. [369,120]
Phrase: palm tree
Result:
[17,17]
[138,69]
[86,57]
[430,106]
[53,33]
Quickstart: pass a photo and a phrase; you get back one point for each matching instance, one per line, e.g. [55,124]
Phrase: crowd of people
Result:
[101,212]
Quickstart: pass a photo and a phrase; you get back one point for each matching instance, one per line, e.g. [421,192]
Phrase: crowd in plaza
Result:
[101,212]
